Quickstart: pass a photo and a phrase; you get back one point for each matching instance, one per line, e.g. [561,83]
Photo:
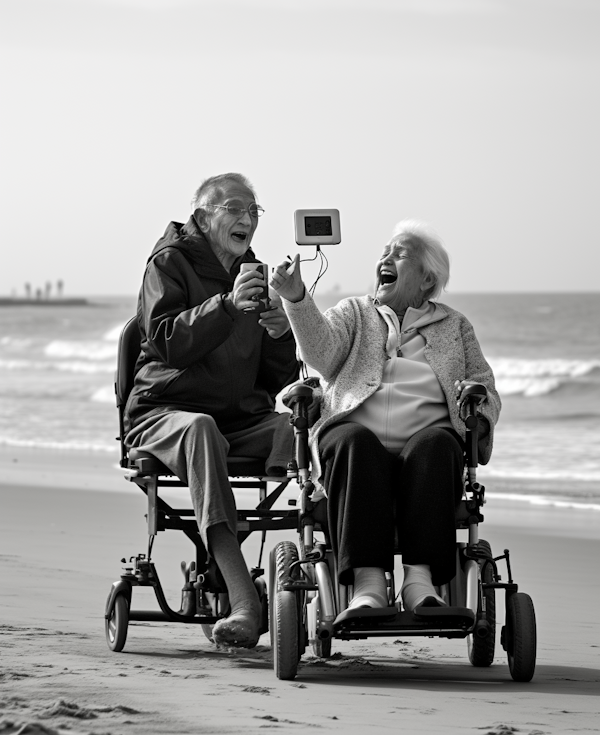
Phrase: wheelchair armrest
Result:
[146,464]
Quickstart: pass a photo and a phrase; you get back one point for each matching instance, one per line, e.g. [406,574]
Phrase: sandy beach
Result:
[67,519]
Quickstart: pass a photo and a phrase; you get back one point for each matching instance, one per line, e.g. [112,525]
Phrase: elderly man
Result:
[208,374]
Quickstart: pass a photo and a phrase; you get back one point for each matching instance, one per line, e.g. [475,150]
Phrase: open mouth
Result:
[387,277]
[239,236]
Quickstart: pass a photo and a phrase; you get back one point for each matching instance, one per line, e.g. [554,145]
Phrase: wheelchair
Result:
[308,607]
[204,595]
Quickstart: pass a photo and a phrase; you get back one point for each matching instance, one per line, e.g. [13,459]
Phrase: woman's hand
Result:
[287,280]
[274,320]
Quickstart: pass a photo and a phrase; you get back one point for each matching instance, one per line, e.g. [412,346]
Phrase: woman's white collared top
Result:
[410,397]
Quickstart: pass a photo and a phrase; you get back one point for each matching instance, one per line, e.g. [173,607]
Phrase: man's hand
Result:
[245,286]
[287,281]
[275,320]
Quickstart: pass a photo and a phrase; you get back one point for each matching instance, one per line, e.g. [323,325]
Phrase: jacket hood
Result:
[189,239]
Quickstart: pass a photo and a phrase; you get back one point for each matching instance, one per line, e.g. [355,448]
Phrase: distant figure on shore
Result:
[42,297]
[209,372]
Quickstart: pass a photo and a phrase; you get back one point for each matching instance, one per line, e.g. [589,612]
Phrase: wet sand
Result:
[67,519]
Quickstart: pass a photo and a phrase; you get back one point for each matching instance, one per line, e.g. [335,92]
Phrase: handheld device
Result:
[317,226]
[262,299]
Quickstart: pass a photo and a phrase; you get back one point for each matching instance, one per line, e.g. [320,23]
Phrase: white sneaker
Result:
[417,589]
[370,588]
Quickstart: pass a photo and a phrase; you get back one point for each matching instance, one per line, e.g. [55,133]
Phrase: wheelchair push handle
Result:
[298,394]
[472,395]
[298,399]
[476,392]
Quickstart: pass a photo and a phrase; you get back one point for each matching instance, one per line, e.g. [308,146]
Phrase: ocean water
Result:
[57,367]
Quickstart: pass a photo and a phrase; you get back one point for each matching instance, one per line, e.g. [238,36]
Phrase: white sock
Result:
[370,588]
[417,588]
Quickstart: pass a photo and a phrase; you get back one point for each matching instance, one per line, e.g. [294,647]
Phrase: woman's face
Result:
[400,280]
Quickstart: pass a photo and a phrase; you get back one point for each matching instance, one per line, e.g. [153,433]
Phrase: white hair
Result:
[428,247]
[211,188]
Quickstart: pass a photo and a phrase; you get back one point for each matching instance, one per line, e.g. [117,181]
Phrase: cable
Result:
[323,266]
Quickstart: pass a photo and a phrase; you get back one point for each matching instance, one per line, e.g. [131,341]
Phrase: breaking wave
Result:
[532,378]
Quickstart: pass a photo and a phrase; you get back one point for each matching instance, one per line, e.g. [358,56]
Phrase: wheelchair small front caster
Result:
[116,625]
[519,636]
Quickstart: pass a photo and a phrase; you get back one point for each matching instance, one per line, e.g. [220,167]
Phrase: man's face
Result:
[229,235]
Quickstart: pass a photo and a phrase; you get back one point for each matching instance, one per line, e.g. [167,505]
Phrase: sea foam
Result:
[533,378]
[70,366]
[86,350]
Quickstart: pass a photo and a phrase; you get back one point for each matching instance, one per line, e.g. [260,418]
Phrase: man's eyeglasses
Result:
[254,210]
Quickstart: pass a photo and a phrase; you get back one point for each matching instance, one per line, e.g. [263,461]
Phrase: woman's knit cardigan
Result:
[346,345]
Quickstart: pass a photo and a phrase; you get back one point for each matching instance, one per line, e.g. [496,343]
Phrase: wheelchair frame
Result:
[308,607]
[304,605]
[203,597]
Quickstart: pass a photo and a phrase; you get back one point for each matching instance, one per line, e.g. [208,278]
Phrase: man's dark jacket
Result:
[199,353]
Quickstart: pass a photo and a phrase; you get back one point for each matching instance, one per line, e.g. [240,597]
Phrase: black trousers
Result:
[372,494]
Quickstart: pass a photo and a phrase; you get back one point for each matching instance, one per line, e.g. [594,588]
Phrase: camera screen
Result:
[317,226]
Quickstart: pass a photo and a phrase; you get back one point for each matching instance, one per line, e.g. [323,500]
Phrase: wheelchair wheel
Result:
[520,636]
[482,649]
[116,626]
[287,635]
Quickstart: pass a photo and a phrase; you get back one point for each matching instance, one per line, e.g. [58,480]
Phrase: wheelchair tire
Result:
[285,634]
[281,571]
[520,636]
[116,626]
[482,650]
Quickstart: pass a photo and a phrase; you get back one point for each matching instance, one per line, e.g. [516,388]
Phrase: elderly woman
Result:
[388,446]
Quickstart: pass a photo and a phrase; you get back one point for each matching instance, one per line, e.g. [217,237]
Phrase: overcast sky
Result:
[481,117]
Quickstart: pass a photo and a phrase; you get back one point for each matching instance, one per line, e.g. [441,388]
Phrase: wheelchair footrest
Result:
[445,621]
[158,616]
[366,613]
[440,613]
